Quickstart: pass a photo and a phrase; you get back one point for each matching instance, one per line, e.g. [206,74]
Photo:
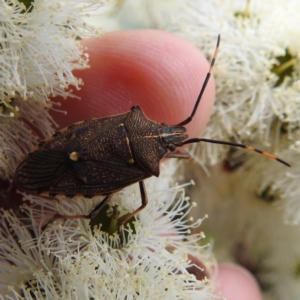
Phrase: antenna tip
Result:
[219,40]
[283,162]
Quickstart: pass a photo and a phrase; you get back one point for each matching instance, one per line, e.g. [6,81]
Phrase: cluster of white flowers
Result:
[38,53]
[69,260]
[248,229]
[259,47]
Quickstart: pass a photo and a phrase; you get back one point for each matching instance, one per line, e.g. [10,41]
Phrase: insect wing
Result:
[41,169]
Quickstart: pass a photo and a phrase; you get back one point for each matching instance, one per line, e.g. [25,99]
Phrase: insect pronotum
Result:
[103,156]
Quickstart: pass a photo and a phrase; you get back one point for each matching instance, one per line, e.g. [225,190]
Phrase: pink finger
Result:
[156,70]
[236,283]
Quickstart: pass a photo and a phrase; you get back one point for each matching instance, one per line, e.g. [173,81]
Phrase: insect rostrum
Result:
[103,156]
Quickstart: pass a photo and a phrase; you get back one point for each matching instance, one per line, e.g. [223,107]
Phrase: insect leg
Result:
[144,197]
[98,208]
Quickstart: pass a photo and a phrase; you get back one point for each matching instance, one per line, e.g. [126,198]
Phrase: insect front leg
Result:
[98,208]
[144,198]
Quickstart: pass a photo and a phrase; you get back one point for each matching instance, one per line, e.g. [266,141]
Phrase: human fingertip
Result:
[157,70]
[236,283]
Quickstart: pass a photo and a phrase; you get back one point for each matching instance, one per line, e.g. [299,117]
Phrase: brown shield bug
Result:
[103,156]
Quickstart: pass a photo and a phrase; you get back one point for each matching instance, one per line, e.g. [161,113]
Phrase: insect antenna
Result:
[189,119]
[197,140]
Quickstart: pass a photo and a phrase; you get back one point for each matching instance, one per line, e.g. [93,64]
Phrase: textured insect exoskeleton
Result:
[103,156]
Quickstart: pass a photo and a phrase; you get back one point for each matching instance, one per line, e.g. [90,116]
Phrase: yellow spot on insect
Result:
[74,156]
[130,161]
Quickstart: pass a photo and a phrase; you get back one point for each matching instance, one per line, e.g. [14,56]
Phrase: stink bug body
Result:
[103,156]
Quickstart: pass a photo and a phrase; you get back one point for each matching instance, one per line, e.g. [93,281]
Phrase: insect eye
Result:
[172,147]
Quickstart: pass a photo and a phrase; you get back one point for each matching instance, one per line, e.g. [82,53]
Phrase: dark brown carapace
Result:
[103,156]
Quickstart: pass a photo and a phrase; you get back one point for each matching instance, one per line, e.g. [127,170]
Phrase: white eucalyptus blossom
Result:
[284,186]
[252,106]
[38,53]
[246,228]
[257,81]
[68,260]
[139,14]
[248,103]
